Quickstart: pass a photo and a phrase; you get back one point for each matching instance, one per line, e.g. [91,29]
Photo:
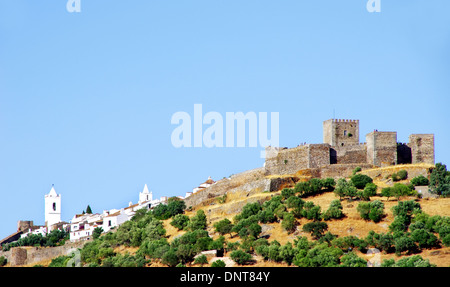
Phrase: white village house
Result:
[82,226]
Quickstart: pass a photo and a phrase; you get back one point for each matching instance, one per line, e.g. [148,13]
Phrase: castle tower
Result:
[381,148]
[422,148]
[341,132]
[145,195]
[52,208]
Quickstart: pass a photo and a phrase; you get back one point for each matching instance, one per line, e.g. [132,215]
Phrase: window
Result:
[54,206]
[345,133]
[109,223]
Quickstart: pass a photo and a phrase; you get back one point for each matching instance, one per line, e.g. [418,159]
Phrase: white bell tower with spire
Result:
[145,195]
[52,208]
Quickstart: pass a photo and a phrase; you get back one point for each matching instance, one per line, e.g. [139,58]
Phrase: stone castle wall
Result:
[422,148]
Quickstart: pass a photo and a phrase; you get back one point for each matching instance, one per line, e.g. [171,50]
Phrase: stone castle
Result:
[341,146]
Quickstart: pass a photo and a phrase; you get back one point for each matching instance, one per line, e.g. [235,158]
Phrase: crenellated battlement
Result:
[341,146]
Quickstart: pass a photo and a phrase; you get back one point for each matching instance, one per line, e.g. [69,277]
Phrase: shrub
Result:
[404,243]
[201,260]
[248,210]
[311,211]
[370,190]
[224,226]
[387,192]
[399,190]
[381,241]
[424,238]
[3,261]
[198,221]
[420,181]
[267,216]
[352,260]
[334,211]
[361,180]
[316,228]
[288,223]
[287,192]
[344,189]
[371,210]
[328,183]
[294,202]
[413,261]
[400,175]
[241,257]
[356,170]
[218,263]
[180,221]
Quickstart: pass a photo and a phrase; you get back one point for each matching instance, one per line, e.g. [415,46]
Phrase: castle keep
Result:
[341,146]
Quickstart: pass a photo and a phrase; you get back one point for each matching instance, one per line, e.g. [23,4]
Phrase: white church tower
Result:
[52,208]
[145,195]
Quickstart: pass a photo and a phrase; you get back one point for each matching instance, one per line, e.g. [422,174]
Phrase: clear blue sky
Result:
[86,98]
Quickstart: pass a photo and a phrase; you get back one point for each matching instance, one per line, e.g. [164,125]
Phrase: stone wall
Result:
[422,148]
[381,148]
[349,154]
[289,161]
[251,181]
[20,256]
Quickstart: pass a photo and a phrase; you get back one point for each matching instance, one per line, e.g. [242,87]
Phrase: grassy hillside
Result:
[274,229]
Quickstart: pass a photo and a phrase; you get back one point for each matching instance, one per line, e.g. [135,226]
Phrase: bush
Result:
[404,243]
[381,241]
[3,261]
[218,263]
[400,175]
[317,229]
[201,260]
[413,261]
[248,210]
[287,192]
[424,238]
[311,211]
[344,189]
[387,192]
[180,221]
[361,180]
[241,257]
[356,170]
[198,221]
[420,181]
[224,226]
[370,190]
[352,260]
[399,190]
[328,183]
[334,211]
[371,210]
[288,223]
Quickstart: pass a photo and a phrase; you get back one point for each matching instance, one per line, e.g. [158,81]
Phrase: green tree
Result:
[361,180]
[180,221]
[88,210]
[198,221]
[97,232]
[387,192]
[241,257]
[334,211]
[352,260]
[224,226]
[289,222]
[316,228]
[420,180]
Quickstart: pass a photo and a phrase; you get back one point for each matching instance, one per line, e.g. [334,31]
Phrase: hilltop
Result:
[147,241]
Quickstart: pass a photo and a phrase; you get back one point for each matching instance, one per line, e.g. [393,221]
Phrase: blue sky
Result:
[86,98]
